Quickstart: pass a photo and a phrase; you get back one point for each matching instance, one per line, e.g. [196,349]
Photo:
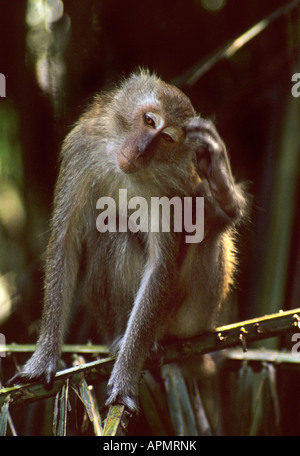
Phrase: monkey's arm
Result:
[62,262]
[148,314]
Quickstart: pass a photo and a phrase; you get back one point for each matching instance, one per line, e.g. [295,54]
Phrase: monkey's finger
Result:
[214,166]
[198,126]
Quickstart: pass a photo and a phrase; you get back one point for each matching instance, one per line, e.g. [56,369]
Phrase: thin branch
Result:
[96,370]
[259,356]
[78,349]
[240,333]
[190,77]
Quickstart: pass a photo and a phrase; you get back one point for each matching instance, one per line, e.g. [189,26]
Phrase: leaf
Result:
[4,418]
[88,398]
[257,416]
[91,406]
[181,410]
[116,421]
[244,399]
[154,416]
[61,411]
[202,420]
[270,403]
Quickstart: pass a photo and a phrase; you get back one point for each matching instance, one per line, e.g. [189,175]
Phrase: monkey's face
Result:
[156,113]
[152,138]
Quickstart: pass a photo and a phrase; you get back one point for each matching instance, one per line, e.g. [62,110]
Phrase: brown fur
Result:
[145,286]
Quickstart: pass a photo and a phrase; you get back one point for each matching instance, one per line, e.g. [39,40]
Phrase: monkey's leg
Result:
[213,165]
[147,317]
[60,277]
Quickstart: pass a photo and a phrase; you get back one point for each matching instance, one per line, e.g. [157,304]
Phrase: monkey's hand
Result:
[41,367]
[213,165]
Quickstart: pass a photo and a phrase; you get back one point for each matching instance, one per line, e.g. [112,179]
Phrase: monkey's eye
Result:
[149,120]
[166,137]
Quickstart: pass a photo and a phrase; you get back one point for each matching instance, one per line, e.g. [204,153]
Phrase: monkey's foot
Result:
[123,389]
[129,402]
[24,377]
[35,370]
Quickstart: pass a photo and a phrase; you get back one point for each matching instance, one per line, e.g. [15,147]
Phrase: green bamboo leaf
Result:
[88,398]
[151,411]
[55,413]
[271,421]
[173,400]
[257,417]
[85,398]
[181,410]
[202,420]
[274,396]
[62,423]
[158,395]
[4,418]
[97,421]
[244,399]
[116,421]
[60,411]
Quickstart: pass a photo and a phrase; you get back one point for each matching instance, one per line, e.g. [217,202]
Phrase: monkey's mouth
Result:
[130,162]
[125,164]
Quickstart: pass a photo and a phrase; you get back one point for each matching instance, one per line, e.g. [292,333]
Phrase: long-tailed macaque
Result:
[145,285]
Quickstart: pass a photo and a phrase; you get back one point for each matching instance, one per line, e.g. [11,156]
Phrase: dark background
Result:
[53,69]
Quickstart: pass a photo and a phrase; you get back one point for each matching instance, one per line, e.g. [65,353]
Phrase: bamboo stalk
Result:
[96,370]
[30,348]
[222,337]
[260,356]
[242,333]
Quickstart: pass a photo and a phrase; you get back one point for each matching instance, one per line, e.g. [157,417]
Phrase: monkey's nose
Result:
[145,143]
